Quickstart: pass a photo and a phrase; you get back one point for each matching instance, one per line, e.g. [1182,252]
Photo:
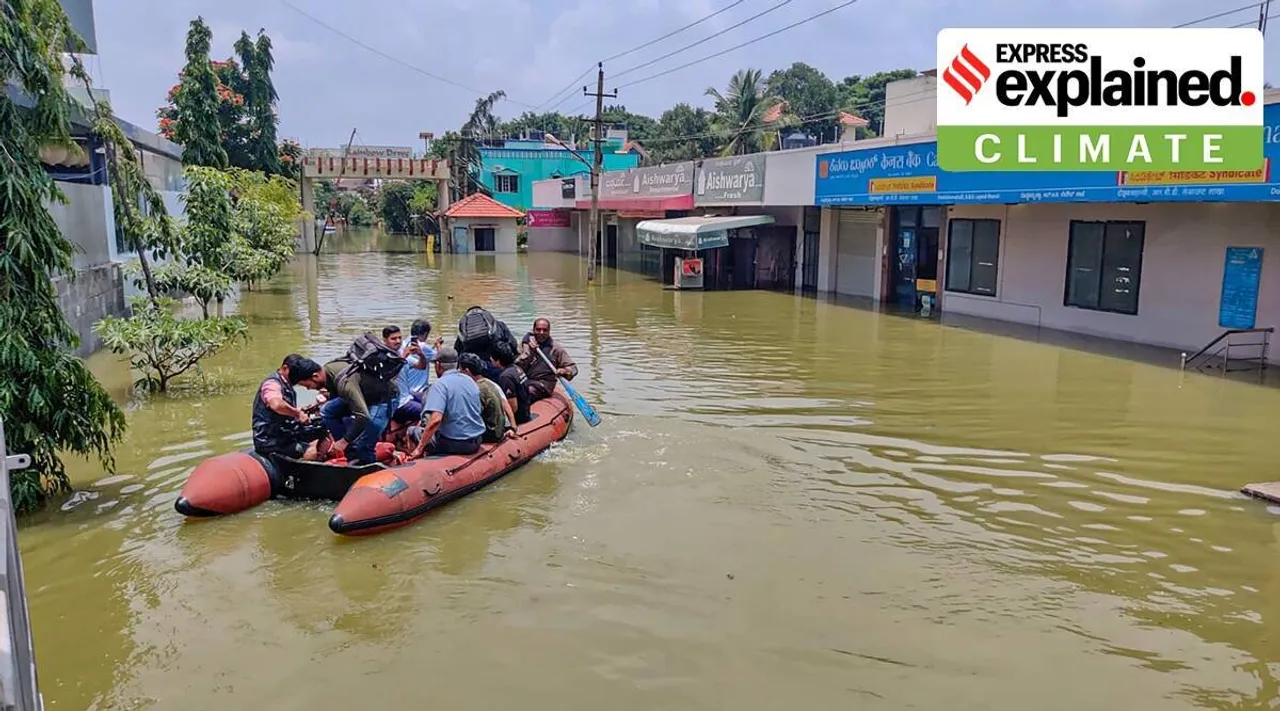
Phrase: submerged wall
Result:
[95,293]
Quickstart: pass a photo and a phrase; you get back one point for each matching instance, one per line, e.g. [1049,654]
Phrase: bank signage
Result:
[660,181]
[730,180]
[1134,99]
[912,174]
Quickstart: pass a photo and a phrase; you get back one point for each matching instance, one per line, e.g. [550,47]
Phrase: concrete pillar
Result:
[309,223]
[827,250]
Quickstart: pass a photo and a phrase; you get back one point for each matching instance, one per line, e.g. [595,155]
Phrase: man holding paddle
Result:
[544,368]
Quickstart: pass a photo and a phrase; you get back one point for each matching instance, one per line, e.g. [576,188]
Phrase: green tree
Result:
[639,127]
[463,151]
[394,206]
[809,94]
[743,121]
[684,133]
[865,96]
[260,99]
[49,400]
[198,129]
[568,129]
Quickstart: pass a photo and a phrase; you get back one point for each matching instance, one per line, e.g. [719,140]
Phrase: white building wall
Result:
[504,238]
[1180,281]
[911,107]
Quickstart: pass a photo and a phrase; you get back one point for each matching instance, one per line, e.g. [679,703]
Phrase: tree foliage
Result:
[803,98]
[161,346]
[197,127]
[50,402]
[747,116]
[245,105]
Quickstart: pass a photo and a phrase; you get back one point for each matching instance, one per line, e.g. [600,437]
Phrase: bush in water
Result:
[160,345]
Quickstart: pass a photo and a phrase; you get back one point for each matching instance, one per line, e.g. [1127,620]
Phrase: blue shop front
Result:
[1058,249]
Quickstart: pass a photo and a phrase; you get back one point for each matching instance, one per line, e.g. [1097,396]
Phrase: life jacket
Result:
[478,330]
[370,356]
[269,427]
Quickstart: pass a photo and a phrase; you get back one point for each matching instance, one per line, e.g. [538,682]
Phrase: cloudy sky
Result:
[329,83]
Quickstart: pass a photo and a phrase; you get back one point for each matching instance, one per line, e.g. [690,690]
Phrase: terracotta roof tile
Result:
[480,205]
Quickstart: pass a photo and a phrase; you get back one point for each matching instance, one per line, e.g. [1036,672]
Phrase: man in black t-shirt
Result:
[512,380]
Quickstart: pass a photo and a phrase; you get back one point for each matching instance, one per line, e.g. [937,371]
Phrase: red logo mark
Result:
[966,74]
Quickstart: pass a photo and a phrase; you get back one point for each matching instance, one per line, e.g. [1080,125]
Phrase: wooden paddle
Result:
[588,412]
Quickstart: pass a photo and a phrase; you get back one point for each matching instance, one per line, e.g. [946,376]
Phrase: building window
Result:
[973,256]
[1104,266]
[506,183]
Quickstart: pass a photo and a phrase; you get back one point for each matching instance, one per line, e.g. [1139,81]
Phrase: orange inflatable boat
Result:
[372,497]
[397,496]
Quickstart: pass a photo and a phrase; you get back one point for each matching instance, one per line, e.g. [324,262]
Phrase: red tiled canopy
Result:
[480,205]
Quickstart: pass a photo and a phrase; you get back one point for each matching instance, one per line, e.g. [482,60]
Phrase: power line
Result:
[637,48]
[566,87]
[793,25]
[384,55]
[679,30]
[1215,16]
[704,39]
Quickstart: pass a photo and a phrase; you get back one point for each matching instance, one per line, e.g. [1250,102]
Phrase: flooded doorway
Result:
[913,262]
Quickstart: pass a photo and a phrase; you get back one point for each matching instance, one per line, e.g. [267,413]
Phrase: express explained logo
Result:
[967,74]
[1100,99]
[1089,79]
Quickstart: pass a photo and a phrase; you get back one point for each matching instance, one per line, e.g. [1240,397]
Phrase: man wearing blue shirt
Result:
[413,379]
[452,420]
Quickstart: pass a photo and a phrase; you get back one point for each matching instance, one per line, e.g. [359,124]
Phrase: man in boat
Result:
[478,331]
[499,420]
[542,380]
[414,377]
[452,419]
[512,380]
[279,425]
[362,387]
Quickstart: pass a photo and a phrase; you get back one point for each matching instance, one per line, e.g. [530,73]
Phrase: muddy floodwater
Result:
[789,504]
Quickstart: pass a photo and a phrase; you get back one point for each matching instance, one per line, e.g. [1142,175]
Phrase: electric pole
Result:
[1263,9]
[593,223]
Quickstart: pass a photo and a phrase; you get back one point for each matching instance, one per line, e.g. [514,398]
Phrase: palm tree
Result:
[747,117]
[462,150]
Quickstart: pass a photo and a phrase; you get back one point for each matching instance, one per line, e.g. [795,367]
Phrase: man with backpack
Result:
[362,385]
[478,331]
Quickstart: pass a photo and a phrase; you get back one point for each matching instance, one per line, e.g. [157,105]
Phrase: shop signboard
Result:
[739,179]
[1241,279]
[909,174]
[548,218]
[693,242]
[660,181]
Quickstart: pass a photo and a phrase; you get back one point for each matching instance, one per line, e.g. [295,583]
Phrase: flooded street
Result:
[788,502]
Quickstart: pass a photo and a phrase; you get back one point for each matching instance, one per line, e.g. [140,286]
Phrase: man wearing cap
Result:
[451,417]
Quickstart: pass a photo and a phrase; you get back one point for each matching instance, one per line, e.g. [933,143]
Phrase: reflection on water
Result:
[787,499]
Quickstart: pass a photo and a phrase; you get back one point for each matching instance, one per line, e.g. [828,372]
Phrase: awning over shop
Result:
[695,233]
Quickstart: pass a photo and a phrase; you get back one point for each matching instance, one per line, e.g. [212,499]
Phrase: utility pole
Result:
[1263,9]
[593,223]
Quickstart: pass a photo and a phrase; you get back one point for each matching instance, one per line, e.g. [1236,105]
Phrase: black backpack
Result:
[478,330]
[368,354]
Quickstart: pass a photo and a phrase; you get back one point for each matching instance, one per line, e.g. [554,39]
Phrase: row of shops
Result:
[1161,258]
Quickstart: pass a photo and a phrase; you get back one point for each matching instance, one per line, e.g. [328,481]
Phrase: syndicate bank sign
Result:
[730,180]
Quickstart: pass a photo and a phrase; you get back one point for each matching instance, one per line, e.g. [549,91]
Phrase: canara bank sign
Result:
[1186,99]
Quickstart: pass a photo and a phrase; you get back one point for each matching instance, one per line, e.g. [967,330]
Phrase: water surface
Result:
[789,502]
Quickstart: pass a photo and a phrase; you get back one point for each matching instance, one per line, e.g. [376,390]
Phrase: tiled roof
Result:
[480,205]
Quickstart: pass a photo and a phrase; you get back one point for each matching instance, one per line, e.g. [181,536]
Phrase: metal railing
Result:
[1217,353]
[19,690]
